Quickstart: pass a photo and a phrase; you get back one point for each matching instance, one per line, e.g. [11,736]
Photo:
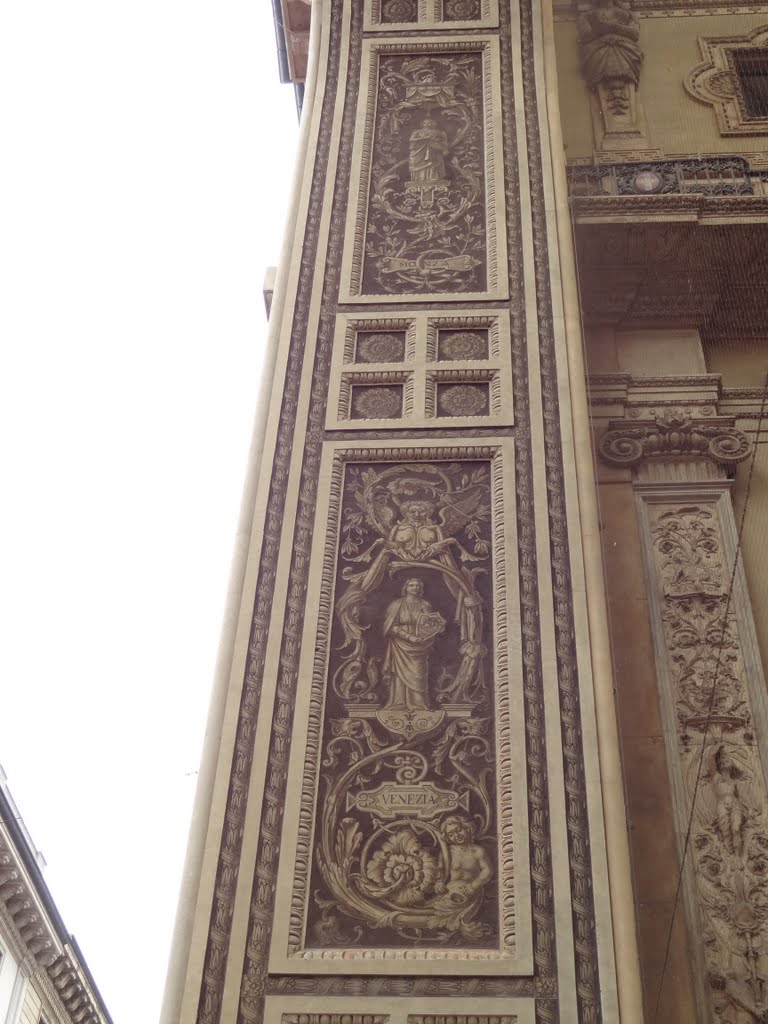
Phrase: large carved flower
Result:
[377,403]
[402,869]
[463,400]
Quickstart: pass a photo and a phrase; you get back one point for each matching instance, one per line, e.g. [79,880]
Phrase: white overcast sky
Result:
[147,151]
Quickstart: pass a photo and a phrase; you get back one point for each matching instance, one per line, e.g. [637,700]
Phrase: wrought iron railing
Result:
[715,176]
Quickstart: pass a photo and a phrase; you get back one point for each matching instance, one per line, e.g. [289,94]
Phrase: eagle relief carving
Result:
[406,820]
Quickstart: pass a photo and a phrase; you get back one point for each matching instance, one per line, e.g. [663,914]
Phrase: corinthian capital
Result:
[715,438]
[609,39]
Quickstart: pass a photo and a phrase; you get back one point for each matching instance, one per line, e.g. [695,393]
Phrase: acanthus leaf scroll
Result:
[405,851]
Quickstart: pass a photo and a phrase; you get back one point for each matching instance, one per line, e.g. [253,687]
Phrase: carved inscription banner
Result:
[406,821]
[407,837]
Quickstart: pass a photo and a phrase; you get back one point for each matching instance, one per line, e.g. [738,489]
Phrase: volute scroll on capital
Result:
[625,444]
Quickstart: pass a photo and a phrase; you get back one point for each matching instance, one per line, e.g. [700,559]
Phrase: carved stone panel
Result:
[426,218]
[386,1010]
[422,370]
[409,840]
[431,14]
[715,710]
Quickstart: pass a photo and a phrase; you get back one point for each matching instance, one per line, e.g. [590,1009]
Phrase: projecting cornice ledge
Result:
[716,438]
[38,939]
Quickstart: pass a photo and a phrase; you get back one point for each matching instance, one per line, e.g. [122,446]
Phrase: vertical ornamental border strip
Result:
[209,1007]
[545,952]
[587,978]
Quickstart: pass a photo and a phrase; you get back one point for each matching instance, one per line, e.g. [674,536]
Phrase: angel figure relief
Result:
[406,829]
[422,517]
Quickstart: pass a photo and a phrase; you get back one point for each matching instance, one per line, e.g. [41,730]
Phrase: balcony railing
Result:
[716,176]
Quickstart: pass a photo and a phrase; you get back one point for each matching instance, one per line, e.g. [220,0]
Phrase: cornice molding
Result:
[32,924]
[34,934]
[694,207]
[627,443]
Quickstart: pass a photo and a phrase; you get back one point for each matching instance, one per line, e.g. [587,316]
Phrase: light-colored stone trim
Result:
[354,244]
[619,893]
[483,1010]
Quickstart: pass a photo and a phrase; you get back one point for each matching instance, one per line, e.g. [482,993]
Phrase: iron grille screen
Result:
[752,70]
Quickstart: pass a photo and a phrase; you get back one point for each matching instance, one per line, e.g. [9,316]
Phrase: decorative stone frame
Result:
[386,1010]
[421,370]
[430,15]
[495,214]
[715,82]
[514,954]
[701,589]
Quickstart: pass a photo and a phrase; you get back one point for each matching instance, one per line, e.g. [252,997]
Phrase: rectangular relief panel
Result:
[421,370]
[407,838]
[424,223]
[383,15]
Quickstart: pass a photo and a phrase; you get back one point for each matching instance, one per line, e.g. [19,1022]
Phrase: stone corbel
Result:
[611,58]
[627,443]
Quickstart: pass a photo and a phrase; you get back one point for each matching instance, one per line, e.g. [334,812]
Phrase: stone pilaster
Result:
[712,695]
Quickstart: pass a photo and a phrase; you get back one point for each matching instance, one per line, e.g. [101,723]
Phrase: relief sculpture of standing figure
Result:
[410,626]
[427,150]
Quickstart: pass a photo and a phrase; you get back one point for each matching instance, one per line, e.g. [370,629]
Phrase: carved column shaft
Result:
[712,697]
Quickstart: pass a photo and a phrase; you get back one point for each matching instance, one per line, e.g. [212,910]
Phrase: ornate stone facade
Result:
[52,980]
[719,774]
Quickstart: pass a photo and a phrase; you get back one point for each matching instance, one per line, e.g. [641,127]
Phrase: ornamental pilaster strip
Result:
[627,443]
[714,709]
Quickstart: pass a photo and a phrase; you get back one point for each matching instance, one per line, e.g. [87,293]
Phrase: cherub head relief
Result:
[458,829]
[418,512]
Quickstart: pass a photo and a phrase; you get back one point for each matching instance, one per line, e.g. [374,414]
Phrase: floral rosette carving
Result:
[462,345]
[627,444]
[461,10]
[380,348]
[402,11]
